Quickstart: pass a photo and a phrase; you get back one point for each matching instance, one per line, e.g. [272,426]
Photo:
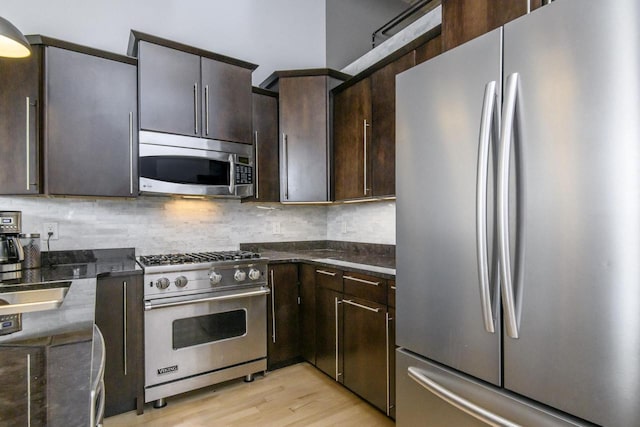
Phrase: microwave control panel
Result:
[244,174]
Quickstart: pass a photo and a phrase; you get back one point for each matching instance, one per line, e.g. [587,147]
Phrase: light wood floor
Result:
[297,395]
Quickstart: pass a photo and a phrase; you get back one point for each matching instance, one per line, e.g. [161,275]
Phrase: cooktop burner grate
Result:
[198,257]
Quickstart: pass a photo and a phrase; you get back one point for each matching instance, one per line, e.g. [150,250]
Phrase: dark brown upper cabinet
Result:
[265,141]
[463,20]
[351,145]
[305,150]
[69,122]
[364,133]
[189,91]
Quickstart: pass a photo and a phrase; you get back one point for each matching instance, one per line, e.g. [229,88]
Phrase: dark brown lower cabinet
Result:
[283,332]
[365,350]
[328,334]
[119,315]
[308,313]
[23,391]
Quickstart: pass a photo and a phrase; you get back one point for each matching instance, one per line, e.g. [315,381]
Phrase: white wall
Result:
[156,225]
[275,34]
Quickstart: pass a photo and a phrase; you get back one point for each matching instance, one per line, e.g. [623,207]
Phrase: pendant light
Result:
[13,43]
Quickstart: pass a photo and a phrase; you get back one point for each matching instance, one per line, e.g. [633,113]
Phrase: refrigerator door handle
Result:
[458,401]
[509,116]
[488,124]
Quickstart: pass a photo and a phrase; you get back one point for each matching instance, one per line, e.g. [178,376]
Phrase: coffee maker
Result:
[11,252]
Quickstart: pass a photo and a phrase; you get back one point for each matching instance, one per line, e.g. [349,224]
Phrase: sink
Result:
[49,297]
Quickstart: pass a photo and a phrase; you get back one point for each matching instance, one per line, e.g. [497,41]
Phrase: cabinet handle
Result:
[124,322]
[28,137]
[355,304]
[285,151]
[257,178]
[337,342]
[195,106]
[130,152]
[28,389]
[206,110]
[364,160]
[387,320]
[273,307]
[326,273]
[355,279]
[393,288]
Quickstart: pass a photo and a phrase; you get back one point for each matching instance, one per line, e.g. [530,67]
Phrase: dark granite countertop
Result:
[374,259]
[60,340]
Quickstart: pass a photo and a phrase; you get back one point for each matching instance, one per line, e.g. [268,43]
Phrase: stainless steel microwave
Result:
[175,164]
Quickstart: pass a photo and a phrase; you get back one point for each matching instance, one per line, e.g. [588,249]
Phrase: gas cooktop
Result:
[196,258]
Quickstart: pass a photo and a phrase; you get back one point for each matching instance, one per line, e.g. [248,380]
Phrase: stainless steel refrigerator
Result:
[518,224]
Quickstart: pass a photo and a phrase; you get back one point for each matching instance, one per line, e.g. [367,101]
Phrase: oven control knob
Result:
[181,281]
[214,277]
[254,274]
[240,275]
[162,283]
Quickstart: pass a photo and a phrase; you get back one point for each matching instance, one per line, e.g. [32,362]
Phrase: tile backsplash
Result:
[165,224]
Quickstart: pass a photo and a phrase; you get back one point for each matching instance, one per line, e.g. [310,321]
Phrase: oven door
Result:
[178,170]
[192,335]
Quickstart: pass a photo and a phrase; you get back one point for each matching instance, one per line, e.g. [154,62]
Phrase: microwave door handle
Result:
[232,174]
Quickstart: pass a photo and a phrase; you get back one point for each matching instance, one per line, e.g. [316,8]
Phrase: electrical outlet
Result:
[276,227]
[50,227]
[344,227]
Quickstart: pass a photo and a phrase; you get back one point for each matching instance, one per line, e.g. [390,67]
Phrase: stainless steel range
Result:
[205,320]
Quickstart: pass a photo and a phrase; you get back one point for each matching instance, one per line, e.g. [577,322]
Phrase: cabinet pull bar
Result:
[27,143]
[285,150]
[355,279]
[130,152]
[393,287]
[337,343]
[124,323]
[273,307]
[206,110]
[28,390]
[195,106]
[364,160]
[257,175]
[387,320]
[355,304]
[326,273]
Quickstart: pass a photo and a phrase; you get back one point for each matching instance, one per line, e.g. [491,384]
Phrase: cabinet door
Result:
[283,327]
[328,332]
[303,148]
[91,125]
[383,134]
[391,365]
[365,350]
[119,317]
[428,50]
[23,375]
[19,112]
[265,128]
[308,313]
[463,20]
[226,101]
[169,90]
[351,122]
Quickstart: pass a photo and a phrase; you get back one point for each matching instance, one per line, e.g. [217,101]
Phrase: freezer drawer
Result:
[416,405]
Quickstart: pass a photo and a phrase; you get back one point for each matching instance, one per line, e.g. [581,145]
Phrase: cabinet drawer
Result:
[367,287]
[329,278]
[391,293]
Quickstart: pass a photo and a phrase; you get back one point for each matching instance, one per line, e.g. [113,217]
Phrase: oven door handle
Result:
[263,291]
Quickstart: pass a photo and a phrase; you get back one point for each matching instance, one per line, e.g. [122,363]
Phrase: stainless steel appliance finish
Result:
[176,164]
[11,252]
[559,214]
[205,319]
